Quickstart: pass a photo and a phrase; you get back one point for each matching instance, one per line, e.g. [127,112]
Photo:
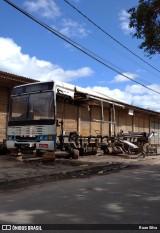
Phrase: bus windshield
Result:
[32,106]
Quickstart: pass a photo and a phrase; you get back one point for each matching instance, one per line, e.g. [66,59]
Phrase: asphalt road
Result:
[129,196]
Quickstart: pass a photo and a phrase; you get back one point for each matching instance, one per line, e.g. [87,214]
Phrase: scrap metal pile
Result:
[124,143]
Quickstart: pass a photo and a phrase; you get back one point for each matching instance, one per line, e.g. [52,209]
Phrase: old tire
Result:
[75,154]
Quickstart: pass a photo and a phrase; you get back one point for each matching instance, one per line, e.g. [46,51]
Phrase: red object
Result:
[43,145]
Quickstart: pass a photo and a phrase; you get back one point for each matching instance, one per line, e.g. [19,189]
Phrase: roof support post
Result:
[114,120]
[102,117]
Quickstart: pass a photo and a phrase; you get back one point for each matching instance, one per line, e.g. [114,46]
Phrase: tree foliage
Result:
[145,19]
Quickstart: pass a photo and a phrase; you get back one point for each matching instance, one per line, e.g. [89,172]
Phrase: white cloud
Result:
[120,78]
[73,28]
[115,93]
[134,95]
[135,89]
[46,8]
[138,89]
[66,75]
[123,15]
[14,61]
[50,10]
[124,18]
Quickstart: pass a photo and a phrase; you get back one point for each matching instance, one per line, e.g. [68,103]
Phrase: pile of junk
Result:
[124,143]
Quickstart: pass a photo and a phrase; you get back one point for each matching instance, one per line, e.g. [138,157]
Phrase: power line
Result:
[104,31]
[76,45]
[102,40]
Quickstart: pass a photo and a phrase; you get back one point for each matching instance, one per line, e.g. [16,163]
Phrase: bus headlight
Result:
[10,137]
[50,138]
[45,137]
[41,137]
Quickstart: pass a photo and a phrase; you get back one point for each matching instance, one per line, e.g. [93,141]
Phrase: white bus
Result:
[32,118]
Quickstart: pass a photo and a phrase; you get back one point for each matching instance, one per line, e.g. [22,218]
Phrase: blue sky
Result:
[28,49]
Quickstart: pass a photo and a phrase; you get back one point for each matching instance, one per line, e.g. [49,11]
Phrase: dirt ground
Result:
[132,159]
[100,158]
[15,174]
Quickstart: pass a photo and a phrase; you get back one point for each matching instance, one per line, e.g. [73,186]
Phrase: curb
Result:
[81,173]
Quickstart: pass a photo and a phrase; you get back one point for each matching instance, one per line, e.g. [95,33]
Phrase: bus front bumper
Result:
[30,147]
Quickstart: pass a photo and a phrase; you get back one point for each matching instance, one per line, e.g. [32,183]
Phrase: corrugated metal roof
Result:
[11,80]
[13,77]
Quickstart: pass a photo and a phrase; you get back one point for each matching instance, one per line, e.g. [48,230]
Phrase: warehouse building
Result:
[96,114]
[90,114]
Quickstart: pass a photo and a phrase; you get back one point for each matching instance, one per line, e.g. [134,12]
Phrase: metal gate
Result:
[155,127]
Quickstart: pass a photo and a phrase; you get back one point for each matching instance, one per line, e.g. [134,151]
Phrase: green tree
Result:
[145,19]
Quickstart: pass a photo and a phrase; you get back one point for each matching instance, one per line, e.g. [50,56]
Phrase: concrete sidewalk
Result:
[15,174]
